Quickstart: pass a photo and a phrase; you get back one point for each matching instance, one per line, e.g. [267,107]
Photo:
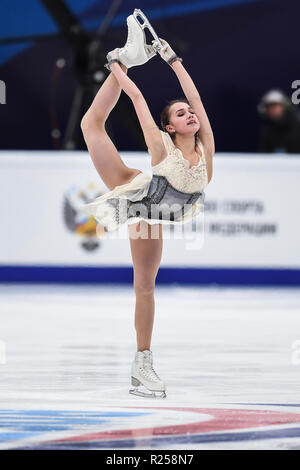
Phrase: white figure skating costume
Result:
[173,195]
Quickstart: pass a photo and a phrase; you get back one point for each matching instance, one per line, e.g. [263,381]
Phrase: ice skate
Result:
[136,51]
[144,379]
[146,24]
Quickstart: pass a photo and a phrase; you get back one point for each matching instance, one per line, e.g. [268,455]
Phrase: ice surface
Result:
[68,349]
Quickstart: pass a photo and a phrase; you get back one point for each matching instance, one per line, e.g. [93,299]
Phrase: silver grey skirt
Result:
[152,199]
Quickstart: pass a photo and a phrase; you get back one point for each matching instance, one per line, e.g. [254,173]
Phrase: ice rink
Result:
[229,358]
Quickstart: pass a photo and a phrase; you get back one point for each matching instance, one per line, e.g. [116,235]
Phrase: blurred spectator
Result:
[281,129]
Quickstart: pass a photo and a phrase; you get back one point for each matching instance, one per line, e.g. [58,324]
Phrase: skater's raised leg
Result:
[104,154]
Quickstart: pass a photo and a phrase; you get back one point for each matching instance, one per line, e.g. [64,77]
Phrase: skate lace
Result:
[148,371]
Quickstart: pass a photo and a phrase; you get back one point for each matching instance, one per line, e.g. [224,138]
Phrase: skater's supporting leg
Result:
[146,256]
[104,154]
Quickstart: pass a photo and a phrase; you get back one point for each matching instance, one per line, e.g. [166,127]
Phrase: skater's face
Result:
[182,119]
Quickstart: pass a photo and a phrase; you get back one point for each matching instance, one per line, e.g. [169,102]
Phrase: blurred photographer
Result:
[281,129]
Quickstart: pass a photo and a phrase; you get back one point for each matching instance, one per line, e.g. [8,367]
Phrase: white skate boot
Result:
[136,51]
[143,375]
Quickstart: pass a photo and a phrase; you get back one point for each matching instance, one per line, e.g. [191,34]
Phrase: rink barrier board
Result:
[251,228]
[166,275]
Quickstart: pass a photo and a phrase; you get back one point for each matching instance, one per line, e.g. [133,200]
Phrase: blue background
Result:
[235,50]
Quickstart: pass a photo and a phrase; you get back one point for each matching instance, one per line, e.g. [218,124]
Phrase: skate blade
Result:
[146,24]
[139,393]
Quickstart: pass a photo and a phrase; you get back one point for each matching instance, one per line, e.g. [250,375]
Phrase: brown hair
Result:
[165,118]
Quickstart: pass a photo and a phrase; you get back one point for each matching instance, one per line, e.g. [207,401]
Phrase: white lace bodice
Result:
[176,168]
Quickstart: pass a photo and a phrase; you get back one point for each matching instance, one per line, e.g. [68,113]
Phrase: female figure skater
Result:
[181,158]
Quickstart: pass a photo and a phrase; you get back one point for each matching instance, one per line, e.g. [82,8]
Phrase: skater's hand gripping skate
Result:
[112,56]
[166,52]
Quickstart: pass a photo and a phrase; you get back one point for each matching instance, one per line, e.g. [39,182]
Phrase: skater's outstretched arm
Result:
[193,97]
[150,130]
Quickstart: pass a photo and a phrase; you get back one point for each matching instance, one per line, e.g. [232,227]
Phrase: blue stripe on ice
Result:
[20,424]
